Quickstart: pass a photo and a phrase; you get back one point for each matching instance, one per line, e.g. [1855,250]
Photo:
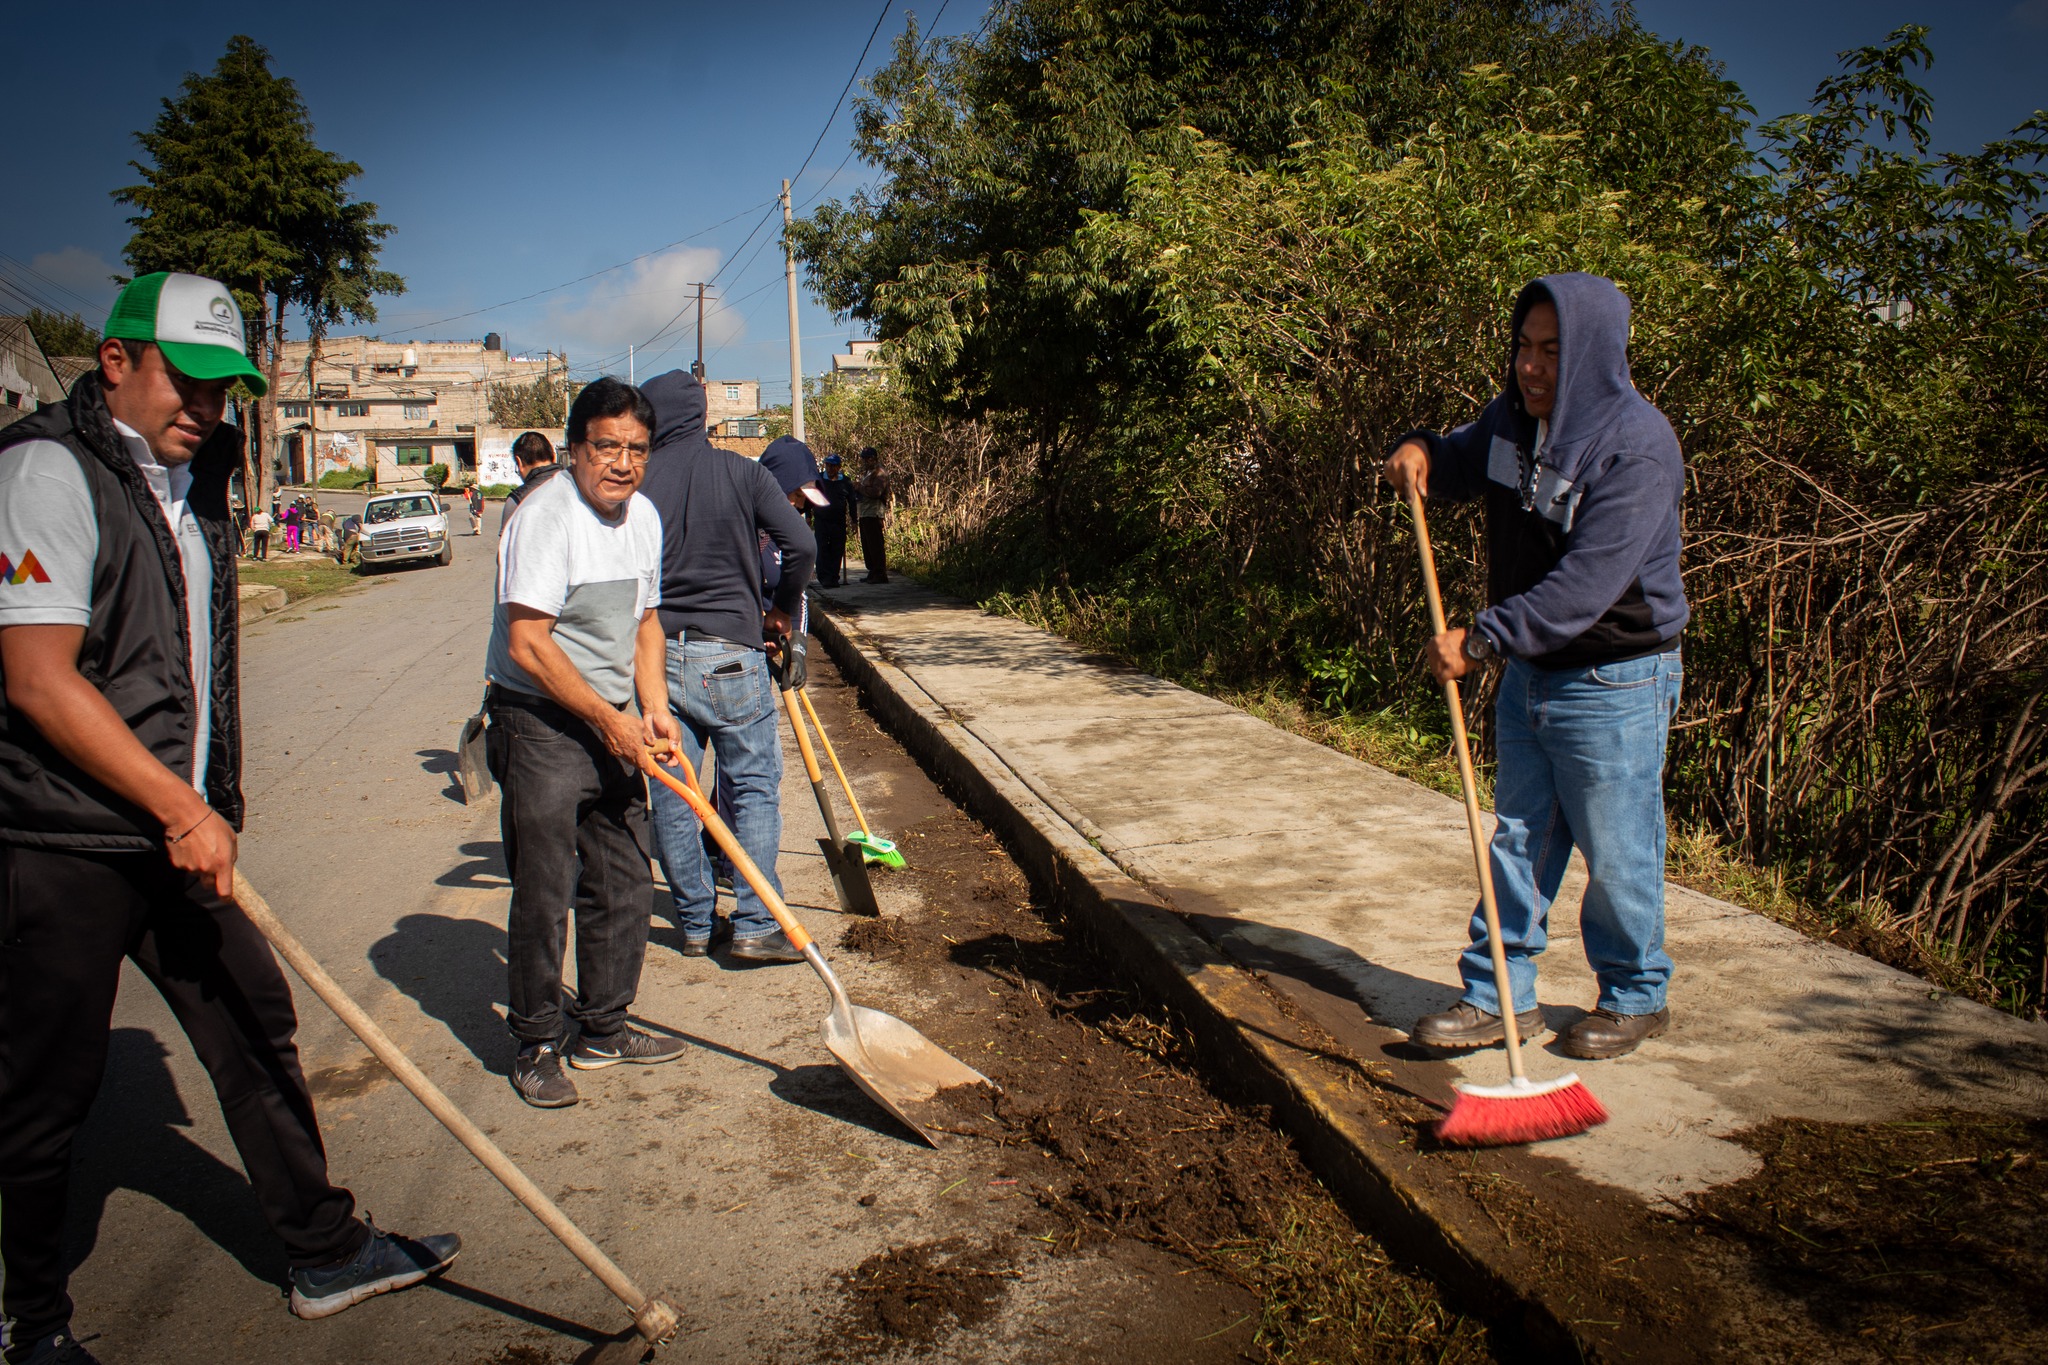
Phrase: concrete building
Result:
[405,405]
[26,380]
[729,404]
[861,364]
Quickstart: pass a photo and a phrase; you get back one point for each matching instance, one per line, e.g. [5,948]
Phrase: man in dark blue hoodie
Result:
[715,506]
[1581,478]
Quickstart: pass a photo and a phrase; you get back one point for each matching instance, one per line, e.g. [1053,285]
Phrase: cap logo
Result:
[223,310]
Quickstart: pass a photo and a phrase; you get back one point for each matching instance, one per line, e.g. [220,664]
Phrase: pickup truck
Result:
[398,527]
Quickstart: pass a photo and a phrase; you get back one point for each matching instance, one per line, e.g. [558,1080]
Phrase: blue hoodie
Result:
[1583,534]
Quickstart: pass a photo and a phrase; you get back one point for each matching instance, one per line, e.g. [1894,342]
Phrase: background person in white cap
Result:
[120,798]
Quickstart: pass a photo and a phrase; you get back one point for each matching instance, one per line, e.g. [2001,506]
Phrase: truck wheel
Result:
[447,555]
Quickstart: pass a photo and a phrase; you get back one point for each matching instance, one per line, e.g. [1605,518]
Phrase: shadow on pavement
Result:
[485,870]
[519,1312]
[442,763]
[816,1086]
[131,1140]
[455,970]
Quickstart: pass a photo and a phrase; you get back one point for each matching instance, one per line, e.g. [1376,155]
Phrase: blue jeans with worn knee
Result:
[721,694]
[1581,763]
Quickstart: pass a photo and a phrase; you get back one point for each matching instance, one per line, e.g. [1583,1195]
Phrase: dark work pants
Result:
[574,821]
[831,554]
[262,539]
[874,549]
[66,921]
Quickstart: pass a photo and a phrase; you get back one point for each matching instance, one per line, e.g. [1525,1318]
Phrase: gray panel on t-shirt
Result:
[595,630]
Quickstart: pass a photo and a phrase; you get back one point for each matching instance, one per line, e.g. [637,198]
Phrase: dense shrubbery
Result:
[1153,348]
[351,476]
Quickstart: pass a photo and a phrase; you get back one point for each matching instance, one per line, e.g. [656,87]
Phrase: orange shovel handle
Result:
[693,796]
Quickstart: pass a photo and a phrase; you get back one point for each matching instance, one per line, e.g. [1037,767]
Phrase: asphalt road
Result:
[730,1180]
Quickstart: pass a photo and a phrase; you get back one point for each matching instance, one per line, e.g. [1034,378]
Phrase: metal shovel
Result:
[900,1068]
[850,884]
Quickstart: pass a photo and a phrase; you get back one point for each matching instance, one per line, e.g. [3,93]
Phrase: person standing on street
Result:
[536,457]
[259,534]
[873,488]
[120,799]
[828,523]
[1581,478]
[715,505]
[573,641]
[475,495]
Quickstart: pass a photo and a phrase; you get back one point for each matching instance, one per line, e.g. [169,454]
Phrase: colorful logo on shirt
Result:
[28,570]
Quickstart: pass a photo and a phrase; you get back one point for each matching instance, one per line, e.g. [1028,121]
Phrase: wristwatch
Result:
[1478,648]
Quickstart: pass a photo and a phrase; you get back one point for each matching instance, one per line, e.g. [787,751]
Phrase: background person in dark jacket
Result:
[714,507]
[120,798]
[538,462]
[1581,478]
[829,523]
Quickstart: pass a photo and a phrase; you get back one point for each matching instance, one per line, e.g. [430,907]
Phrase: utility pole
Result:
[796,355]
[698,368]
[630,379]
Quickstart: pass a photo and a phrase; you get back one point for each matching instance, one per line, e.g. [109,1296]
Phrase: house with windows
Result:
[860,364]
[402,405]
[26,380]
[731,406]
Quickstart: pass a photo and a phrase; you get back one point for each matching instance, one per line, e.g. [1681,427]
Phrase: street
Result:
[745,1181]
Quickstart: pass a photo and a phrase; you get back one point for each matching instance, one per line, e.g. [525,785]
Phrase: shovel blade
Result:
[850,884]
[899,1068]
[472,768]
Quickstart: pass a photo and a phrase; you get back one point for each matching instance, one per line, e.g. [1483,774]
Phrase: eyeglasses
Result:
[608,452]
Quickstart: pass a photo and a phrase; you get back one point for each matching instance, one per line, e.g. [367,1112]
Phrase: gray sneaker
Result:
[383,1263]
[538,1077]
[1465,1025]
[627,1045]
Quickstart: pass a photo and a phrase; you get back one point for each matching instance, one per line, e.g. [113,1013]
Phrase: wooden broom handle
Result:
[1474,822]
[833,758]
[441,1107]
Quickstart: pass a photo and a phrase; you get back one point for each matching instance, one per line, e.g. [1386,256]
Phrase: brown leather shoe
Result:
[1469,1026]
[1604,1034]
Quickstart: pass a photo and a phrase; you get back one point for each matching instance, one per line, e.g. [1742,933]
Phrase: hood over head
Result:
[794,467]
[678,407]
[1594,390]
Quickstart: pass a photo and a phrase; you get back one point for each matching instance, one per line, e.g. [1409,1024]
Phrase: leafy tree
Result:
[436,476]
[63,333]
[235,188]
[539,404]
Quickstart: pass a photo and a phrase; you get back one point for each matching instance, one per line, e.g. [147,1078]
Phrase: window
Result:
[351,409]
[415,454]
[295,409]
[416,412]
[732,393]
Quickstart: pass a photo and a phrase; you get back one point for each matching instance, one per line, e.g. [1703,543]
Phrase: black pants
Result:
[831,554]
[574,821]
[262,541]
[874,549]
[66,921]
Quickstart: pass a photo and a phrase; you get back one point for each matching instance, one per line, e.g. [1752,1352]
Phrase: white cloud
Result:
[628,306]
[84,274]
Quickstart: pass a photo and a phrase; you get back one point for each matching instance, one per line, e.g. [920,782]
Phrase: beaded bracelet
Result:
[180,838]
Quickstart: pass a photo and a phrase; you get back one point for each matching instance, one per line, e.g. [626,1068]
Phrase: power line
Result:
[773,204]
[931,41]
[854,76]
[457,317]
[21,265]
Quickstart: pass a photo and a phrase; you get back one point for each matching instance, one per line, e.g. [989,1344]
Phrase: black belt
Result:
[686,636]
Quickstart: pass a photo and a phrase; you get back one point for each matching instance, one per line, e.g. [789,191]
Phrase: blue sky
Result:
[518,146]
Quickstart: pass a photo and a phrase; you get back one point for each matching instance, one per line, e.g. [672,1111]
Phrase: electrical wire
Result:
[838,103]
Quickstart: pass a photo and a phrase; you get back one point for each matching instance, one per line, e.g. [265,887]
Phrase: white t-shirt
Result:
[597,577]
[50,535]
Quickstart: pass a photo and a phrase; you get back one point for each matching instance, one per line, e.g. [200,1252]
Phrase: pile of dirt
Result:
[1925,1237]
[916,1294]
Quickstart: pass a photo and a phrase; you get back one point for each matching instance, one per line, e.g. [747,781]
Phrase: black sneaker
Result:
[383,1263]
[774,947]
[58,1348]
[627,1045]
[538,1077]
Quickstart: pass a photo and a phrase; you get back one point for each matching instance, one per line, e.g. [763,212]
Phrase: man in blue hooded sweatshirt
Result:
[1581,477]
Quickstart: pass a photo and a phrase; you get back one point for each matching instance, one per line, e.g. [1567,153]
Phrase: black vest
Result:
[137,648]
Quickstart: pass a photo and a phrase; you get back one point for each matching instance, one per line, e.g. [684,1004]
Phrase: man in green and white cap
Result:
[120,799]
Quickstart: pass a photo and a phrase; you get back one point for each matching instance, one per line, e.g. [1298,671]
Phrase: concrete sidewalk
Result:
[1345,890]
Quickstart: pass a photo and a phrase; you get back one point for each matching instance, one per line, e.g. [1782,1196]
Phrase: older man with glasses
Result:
[574,639]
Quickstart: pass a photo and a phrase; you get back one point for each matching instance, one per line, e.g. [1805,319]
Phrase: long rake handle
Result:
[1470,781]
[811,768]
[722,835]
[438,1104]
[826,740]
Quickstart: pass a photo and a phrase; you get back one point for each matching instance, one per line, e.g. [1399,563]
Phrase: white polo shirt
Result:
[50,535]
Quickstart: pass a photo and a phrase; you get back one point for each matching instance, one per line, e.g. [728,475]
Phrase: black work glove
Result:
[788,664]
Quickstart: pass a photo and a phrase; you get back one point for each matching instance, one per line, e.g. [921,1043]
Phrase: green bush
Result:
[436,476]
[497,490]
[351,477]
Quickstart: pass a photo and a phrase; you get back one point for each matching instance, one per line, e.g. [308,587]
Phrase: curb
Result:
[1258,1048]
[258,601]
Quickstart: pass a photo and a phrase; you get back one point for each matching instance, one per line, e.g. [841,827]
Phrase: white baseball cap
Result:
[195,322]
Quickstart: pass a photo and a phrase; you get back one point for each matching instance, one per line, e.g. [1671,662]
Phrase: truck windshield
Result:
[420,506]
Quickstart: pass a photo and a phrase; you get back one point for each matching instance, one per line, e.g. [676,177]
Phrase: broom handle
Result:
[826,740]
[438,1104]
[1473,822]
[722,835]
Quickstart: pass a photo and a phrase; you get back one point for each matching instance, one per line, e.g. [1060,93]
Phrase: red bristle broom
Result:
[1522,1110]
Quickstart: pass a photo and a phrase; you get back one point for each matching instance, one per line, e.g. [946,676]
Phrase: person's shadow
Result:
[443,763]
[455,970]
[133,1140]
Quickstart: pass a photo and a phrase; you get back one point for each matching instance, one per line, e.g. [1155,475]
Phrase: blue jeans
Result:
[1581,763]
[721,694]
